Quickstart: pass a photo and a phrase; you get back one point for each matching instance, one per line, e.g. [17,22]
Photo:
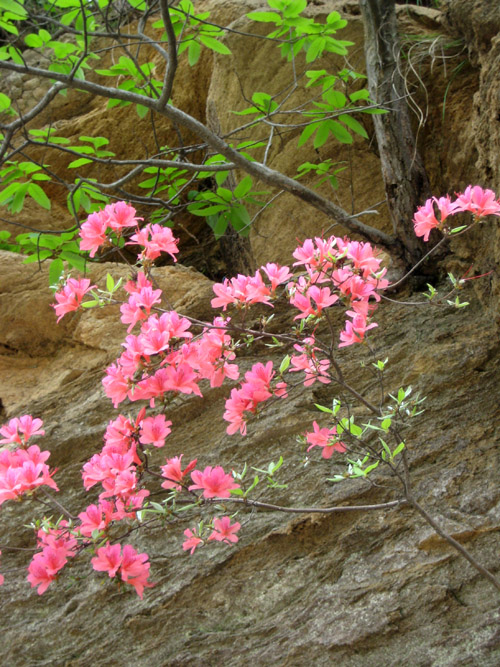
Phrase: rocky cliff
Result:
[350,589]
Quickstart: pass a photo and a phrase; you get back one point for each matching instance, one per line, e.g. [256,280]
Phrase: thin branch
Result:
[146,162]
[310,510]
[171,60]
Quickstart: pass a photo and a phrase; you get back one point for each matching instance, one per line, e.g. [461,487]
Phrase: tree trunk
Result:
[404,175]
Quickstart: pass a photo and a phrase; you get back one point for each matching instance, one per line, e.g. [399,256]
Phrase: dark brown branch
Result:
[259,171]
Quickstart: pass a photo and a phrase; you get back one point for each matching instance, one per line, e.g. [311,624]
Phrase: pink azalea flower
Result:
[241,291]
[93,232]
[139,306]
[363,256]
[224,531]
[192,541]
[138,283]
[236,405]
[116,384]
[21,430]
[173,473]
[43,569]
[304,254]
[155,239]
[322,437]
[108,559]
[70,297]
[58,538]
[95,517]
[277,274]
[446,207]
[134,569]
[182,379]
[478,201]
[126,508]
[425,220]
[314,369]
[154,430]
[354,331]
[214,482]
[120,215]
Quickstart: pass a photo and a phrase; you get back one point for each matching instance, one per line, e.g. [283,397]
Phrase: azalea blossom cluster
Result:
[23,470]
[256,389]
[352,274]
[434,212]
[117,217]
[223,531]
[349,271]
[71,296]
[114,217]
[132,566]
[57,544]
[163,357]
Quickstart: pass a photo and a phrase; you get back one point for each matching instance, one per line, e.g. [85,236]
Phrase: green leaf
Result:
[8,27]
[46,241]
[209,210]
[322,134]
[355,430]
[13,7]
[294,8]
[307,132]
[334,97]
[374,112]
[219,224]
[221,177]
[386,423]
[285,364]
[362,94]
[353,125]
[398,449]
[79,163]
[214,44]
[110,283]
[137,4]
[225,194]
[315,49]
[85,150]
[243,187]
[386,447]
[339,132]
[55,271]
[4,102]
[67,19]
[240,219]
[194,51]
[323,409]
[74,260]
[38,257]
[36,192]
[17,202]
[97,142]
[142,111]
[265,17]
[457,229]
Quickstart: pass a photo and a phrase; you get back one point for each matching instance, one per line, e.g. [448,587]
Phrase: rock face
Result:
[377,588]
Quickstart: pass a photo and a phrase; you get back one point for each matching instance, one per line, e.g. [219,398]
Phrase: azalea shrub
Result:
[167,354]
